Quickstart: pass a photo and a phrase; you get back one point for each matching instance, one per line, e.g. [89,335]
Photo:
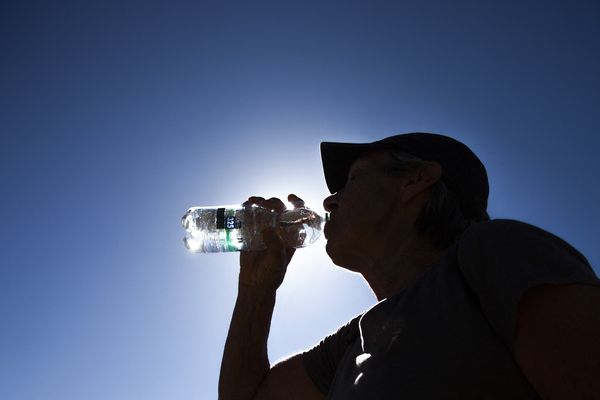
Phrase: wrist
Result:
[256,292]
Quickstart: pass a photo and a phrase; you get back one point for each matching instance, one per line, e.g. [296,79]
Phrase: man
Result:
[469,308]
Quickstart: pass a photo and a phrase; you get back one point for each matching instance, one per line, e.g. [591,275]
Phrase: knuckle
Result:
[254,200]
[275,203]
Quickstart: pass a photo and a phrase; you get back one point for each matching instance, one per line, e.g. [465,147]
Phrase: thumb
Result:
[272,238]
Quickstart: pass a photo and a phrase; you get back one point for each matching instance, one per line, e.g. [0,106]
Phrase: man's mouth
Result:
[327,228]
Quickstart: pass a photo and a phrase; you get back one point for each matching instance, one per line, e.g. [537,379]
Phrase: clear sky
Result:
[116,116]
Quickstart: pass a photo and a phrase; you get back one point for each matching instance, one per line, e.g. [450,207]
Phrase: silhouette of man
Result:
[469,308]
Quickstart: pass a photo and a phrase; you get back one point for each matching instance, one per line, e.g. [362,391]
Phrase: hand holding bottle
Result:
[265,269]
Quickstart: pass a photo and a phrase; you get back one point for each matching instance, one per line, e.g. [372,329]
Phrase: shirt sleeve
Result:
[501,259]
[321,361]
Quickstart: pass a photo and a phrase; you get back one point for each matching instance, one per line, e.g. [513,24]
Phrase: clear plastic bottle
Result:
[237,228]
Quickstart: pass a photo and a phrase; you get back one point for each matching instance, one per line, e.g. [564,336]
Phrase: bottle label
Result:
[226,219]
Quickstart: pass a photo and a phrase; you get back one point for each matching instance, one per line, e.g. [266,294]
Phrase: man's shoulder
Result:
[502,227]
[507,232]
[511,239]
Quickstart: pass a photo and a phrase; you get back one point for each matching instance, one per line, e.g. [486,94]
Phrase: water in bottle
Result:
[237,228]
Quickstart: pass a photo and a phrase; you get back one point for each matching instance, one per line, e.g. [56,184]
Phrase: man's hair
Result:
[441,218]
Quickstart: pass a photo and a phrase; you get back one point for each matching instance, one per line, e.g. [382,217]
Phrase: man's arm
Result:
[557,340]
[245,361]
[245,369]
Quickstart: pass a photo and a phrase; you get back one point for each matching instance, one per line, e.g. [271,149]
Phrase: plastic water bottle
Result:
[237,228]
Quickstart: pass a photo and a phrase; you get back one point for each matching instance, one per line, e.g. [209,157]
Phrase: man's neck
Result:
[401,266]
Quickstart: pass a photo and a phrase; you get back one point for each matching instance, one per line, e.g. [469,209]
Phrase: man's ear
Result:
[420,179]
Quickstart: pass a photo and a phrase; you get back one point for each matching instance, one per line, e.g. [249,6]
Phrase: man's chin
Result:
[329,249]
[341,258]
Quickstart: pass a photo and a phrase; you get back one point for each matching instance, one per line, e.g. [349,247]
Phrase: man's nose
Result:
[331,203]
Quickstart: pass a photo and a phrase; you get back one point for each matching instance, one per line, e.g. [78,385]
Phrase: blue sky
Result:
[115,117]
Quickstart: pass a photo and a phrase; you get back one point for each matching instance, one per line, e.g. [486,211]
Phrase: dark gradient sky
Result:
[118,115]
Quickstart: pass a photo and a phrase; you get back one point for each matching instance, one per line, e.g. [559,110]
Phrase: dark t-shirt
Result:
[449,335]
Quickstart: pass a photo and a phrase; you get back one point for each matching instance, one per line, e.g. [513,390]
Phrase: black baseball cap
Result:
[462,171]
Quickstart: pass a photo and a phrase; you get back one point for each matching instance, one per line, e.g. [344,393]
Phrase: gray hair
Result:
[441,218]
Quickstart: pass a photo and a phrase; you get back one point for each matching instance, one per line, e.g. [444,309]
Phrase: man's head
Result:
[434,173]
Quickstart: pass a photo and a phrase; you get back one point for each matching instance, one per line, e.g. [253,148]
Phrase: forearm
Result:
[245,360]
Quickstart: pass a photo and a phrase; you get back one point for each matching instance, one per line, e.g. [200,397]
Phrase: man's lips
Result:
[328,226]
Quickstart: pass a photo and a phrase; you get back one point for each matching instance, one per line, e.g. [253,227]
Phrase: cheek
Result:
[363,208]
[360,212]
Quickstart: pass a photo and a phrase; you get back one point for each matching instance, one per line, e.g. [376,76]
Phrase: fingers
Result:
[296,201]
[253,200]
[273,203]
